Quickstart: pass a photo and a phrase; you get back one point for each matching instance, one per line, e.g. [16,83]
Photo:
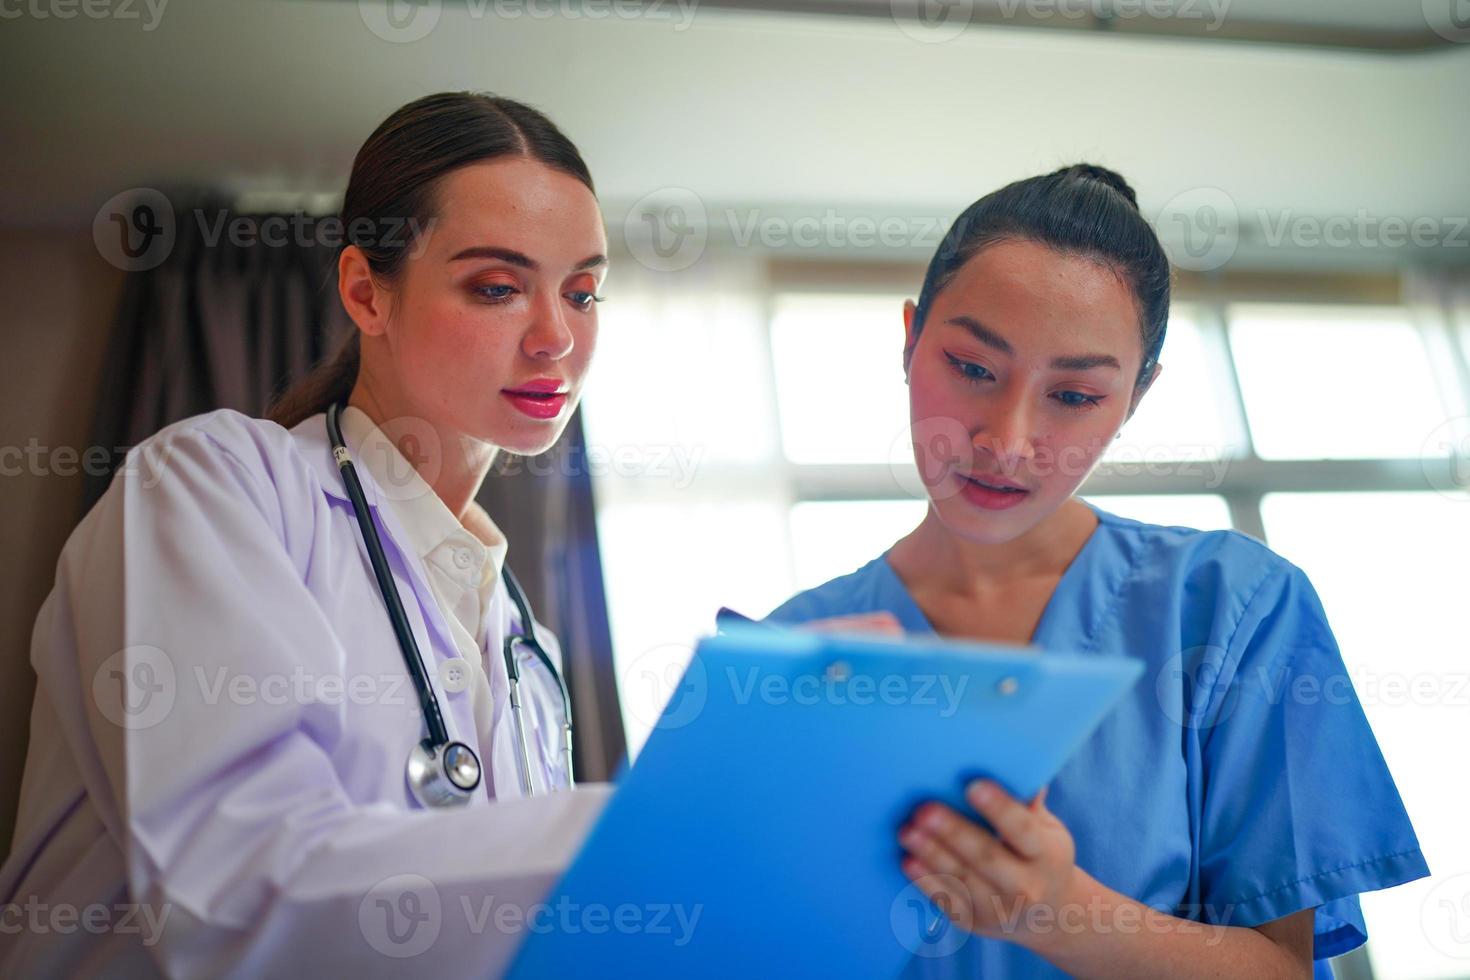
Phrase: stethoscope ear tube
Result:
[518,722]
[528,628]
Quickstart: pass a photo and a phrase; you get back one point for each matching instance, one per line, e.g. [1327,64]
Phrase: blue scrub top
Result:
[1238,782]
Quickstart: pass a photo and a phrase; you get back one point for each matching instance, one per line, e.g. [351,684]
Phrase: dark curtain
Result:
[216,325]
[226,323]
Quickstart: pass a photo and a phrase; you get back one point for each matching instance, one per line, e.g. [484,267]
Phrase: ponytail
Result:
[329,382]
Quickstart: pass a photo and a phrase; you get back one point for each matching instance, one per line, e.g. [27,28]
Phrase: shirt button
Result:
[463,558]
[455,674]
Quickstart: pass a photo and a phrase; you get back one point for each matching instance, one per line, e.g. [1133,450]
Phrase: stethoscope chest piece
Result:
[443,775]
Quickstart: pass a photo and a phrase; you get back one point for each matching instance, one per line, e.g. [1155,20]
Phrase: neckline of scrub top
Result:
[1082,597]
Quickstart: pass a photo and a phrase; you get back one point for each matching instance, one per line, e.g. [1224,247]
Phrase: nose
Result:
[549,336]
[1006,433]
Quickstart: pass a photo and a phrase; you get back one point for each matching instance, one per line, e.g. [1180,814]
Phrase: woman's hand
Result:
[992,884]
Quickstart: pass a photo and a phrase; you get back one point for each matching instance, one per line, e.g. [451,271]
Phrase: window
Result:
[839,376]
[1399,621]
[1334,382]
[1204,511]
[1190,412]
[833,537]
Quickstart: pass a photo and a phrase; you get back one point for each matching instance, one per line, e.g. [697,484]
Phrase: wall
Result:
[59,299]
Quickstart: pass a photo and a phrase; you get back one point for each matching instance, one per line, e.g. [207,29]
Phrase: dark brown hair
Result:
[393,184]
[1083,210]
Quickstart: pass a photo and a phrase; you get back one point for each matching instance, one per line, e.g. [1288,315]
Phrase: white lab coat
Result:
[246,811]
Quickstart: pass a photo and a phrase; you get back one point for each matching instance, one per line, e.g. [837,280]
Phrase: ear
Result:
[908,336]
[366,302]
[1142,390]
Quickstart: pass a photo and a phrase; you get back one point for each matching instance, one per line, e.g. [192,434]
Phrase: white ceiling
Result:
[747,110]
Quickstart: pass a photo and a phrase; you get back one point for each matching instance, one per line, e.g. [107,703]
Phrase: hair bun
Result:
[1091,171]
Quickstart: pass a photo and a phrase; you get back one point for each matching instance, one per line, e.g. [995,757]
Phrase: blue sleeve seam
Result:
[1246,607]
[1231,647]
[1328,871]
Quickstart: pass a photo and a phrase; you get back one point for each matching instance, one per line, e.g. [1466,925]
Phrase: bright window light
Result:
[1390,569]
[832,538]
[1334,382]
[839,377]
[1186,414]
[1206,512]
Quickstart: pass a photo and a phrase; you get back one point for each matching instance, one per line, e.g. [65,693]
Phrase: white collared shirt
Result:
[463,570]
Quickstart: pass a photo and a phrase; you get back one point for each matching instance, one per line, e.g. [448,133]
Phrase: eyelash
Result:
[585,305]
[961,366]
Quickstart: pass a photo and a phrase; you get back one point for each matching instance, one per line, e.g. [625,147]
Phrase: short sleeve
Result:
[1296,808]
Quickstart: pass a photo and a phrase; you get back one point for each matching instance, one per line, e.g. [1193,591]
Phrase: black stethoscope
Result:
[442,772]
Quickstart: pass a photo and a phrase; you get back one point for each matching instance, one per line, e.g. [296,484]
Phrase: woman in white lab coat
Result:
[216,775]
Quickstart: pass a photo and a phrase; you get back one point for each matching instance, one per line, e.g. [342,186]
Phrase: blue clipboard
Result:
[756,833]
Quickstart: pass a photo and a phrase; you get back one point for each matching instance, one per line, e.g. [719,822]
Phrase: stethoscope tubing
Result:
[438,734]
[428,701]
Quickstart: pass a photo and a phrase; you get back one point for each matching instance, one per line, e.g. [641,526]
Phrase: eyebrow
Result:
[1075,362]
[519,258]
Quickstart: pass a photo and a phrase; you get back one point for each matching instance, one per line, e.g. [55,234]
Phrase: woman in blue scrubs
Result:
[1224,819]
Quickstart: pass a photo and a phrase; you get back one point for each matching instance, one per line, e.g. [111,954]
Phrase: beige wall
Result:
[57,296]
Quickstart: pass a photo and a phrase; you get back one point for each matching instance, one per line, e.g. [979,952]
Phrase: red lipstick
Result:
[539,398]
